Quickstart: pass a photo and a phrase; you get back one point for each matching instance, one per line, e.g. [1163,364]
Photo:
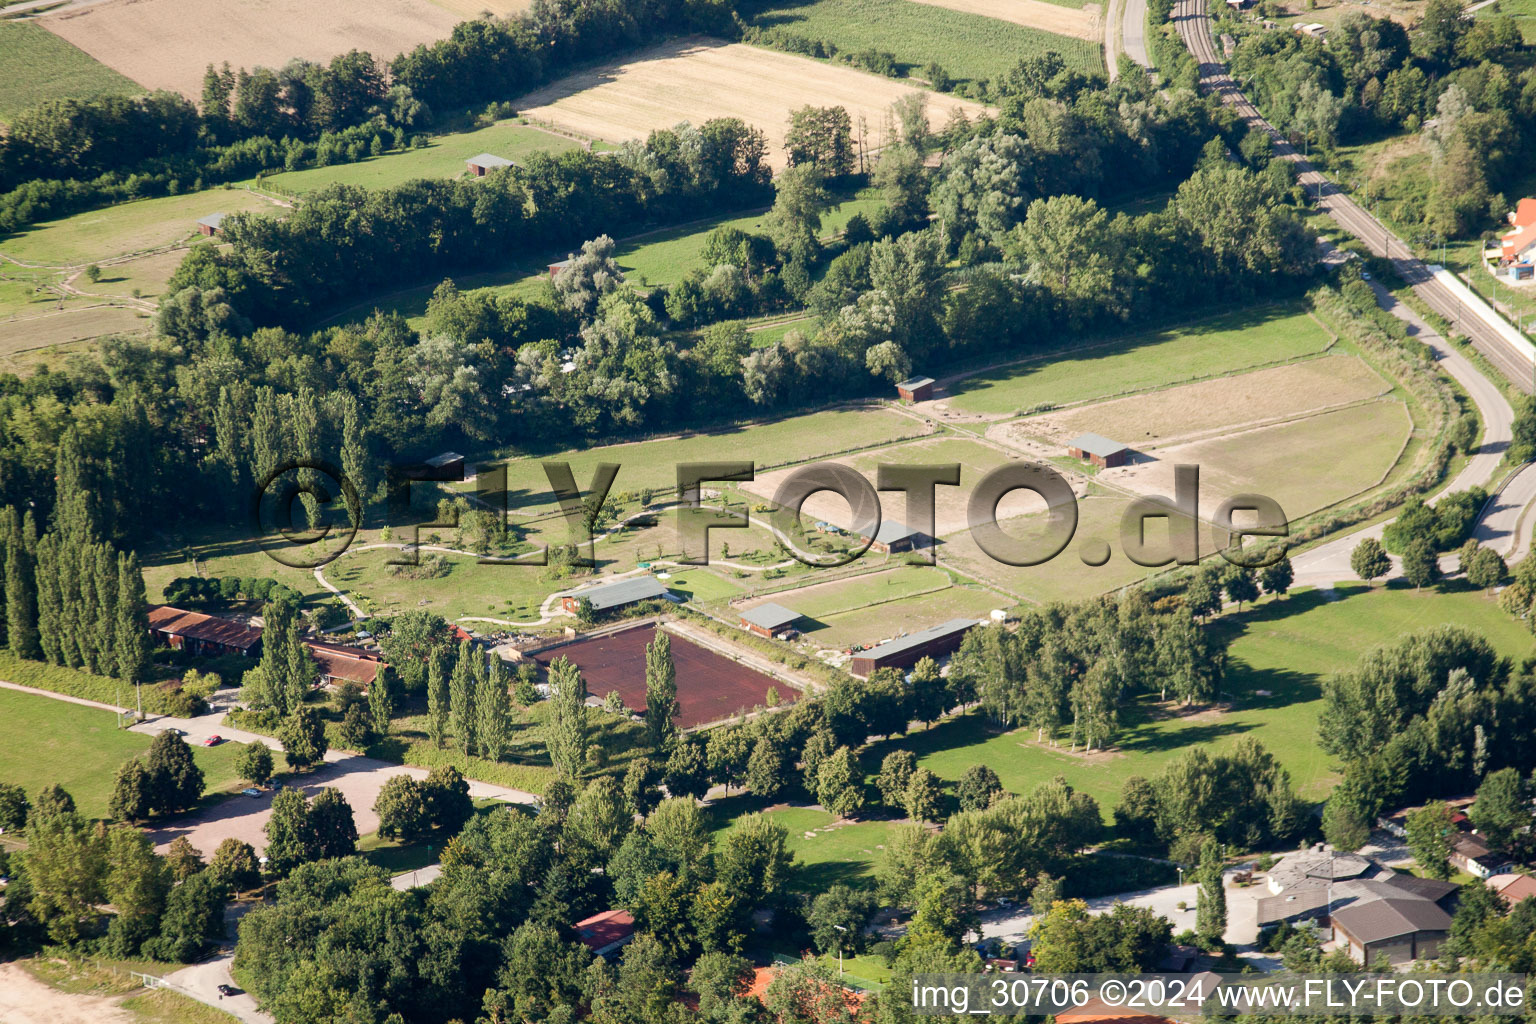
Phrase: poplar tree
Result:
[1211,904]
[132,623]
[437,697]
[566,734]
[493,711]
[21,586]
[381,699]
[660,691]
[104,628]
[48,598]
[461,698]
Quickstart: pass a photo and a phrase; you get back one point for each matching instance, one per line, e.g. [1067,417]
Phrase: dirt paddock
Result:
[1078,23]
[26,1000]
[710,686]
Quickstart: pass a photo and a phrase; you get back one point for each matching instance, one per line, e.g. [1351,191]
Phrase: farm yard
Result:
[969,46]
[710,686]
[1212,347]
[36,65]
[697,79]
[442,157]
[167,44]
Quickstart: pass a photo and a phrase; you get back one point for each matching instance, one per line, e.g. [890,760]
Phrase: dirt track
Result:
[25,1000]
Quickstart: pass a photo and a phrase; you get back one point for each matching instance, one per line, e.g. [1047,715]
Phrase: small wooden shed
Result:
[209,225]
[485,163]
[918,389]
[1099,450]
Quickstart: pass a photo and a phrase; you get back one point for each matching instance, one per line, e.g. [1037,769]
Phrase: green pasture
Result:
[80,748]
[1208,348]
[113,231]
[968,46]
[443,157]
[36,65]
[1286,648]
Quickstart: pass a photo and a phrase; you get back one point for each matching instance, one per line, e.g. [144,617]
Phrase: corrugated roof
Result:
[770,615]
[1096,444]
[914,383]
[213,220]
[922,636]
[890,531]
[622,592]
[490,160]
[208,628]
[439,461]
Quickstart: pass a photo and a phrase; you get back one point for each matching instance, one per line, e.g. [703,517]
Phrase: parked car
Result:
[213,741]
[174,731]
[253,791]
[228,990]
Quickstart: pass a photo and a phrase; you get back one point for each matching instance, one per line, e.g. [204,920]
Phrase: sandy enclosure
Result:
[1085,23]
[167,44]
[697,79]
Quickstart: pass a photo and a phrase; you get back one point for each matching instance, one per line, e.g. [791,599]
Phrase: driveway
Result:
[1011,924]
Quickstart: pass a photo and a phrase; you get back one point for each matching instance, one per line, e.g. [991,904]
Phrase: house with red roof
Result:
[606,933]
[1517,248]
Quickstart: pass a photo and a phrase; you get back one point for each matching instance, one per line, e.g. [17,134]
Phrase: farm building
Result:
[767,619]
[485,163]
[933,642]
[210,224]
[340,664]
[1514,888]
[607,596]
[606,933]
[1472,854]
[200,634]
[1397,914]
[1517,247]
[1313,29]
[555,268]
[447,466]
[918,389]
[893,537]
[1100,451]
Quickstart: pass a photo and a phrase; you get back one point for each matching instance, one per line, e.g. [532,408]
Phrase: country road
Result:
[1500,526]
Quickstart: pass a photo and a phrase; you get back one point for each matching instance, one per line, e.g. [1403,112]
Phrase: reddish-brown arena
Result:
[710,686]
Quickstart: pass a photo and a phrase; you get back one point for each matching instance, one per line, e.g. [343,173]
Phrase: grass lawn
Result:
[126,228]
[825,854]
[1208,348]
[1284,647]
[968,46]
[443,157]
[80,748]
[871,607]
[36,65]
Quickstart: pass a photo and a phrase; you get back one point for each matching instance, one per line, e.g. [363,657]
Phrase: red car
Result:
[213,741]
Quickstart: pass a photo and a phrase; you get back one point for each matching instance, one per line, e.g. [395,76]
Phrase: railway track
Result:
[1193,23]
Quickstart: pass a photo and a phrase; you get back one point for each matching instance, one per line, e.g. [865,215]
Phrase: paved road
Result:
[1133,32]
[1499,527]
[1193,23]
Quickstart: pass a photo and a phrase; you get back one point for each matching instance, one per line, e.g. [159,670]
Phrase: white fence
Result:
[1475,306]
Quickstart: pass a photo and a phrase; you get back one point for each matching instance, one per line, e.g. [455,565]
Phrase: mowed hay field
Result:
[36,65]
[1059,19]
[27,341]
[1208,348]
[443,157]
[971,39]
[127,228]
[167,44]
[697,79]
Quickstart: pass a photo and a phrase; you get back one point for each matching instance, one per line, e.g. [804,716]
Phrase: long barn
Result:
[933,642]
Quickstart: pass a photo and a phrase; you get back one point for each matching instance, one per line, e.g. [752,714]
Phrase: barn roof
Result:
[1096,444]
[923,636]
[1390,918]
[446,458]
[891,531]
[342,662]
[770,615]
[208,628]
[213,220]
[489,160]
[915,383]
[622,592]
